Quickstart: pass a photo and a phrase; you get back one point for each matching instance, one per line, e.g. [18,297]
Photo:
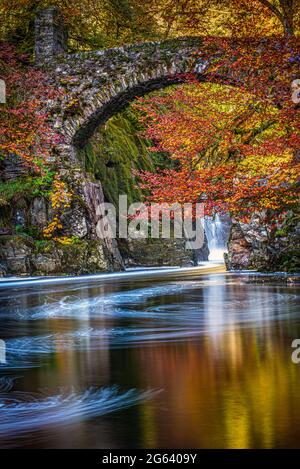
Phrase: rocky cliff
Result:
[81,250]
[252,246]
[105,171]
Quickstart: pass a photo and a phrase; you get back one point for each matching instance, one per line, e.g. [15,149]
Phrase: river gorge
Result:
[149,228]
[171,358]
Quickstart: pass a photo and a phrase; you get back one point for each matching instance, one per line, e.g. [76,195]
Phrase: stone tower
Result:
[50,35]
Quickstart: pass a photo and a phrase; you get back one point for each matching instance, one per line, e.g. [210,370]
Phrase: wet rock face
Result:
[24,251]
[14,256]
[75,221]
[155,252]
[92,194]
[252,247]
[21,255]
[12,167]
[39,213]
[3,271]
[202,254]
[46,264]
[239,250]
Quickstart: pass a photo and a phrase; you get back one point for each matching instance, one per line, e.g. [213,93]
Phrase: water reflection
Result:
[22,413]
[228,393]
[217,348]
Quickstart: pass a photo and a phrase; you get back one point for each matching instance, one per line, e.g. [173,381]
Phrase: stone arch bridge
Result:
[98,84]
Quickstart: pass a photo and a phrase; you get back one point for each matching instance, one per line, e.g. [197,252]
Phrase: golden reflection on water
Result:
[227,393]
[221,393]
[232,387]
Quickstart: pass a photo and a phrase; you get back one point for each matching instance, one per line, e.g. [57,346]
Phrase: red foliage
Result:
[235,148]
[25,131]
[24,127]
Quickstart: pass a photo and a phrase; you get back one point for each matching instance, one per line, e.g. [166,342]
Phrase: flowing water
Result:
[217,234]
[149,361]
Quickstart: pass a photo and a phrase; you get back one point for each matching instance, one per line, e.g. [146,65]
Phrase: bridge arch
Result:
[96,85]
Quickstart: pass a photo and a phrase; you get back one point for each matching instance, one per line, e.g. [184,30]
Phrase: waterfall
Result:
[217,233]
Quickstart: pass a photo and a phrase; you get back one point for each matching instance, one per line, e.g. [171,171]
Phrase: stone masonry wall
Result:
[50,35]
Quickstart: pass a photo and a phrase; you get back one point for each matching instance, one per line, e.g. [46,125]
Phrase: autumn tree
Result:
[26,136]
[287,11]
[91,24]
[235,148]
[226,17]
[104,23]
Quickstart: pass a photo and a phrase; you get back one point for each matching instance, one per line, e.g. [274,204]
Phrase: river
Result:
[175,358]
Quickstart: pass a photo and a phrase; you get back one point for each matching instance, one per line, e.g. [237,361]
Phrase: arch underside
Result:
[124,98]
[117,104]
[103,83]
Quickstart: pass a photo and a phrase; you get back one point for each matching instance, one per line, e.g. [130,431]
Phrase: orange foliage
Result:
[234,148]
[24,129]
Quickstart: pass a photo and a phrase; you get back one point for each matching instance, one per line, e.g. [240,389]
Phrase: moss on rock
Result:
[114,152]
[22,255]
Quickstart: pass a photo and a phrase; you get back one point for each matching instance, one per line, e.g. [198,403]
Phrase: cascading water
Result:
[217,233]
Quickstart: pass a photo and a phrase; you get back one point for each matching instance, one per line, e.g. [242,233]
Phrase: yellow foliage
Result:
[54,225]
[60,200]
[64,240]
[60,196]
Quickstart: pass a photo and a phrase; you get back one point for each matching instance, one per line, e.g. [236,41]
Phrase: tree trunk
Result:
[287,7]
[285,14]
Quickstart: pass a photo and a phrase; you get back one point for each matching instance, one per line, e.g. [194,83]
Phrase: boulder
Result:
[22,255]
[155,252]
[15,254]
[38,213]
[257,247]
